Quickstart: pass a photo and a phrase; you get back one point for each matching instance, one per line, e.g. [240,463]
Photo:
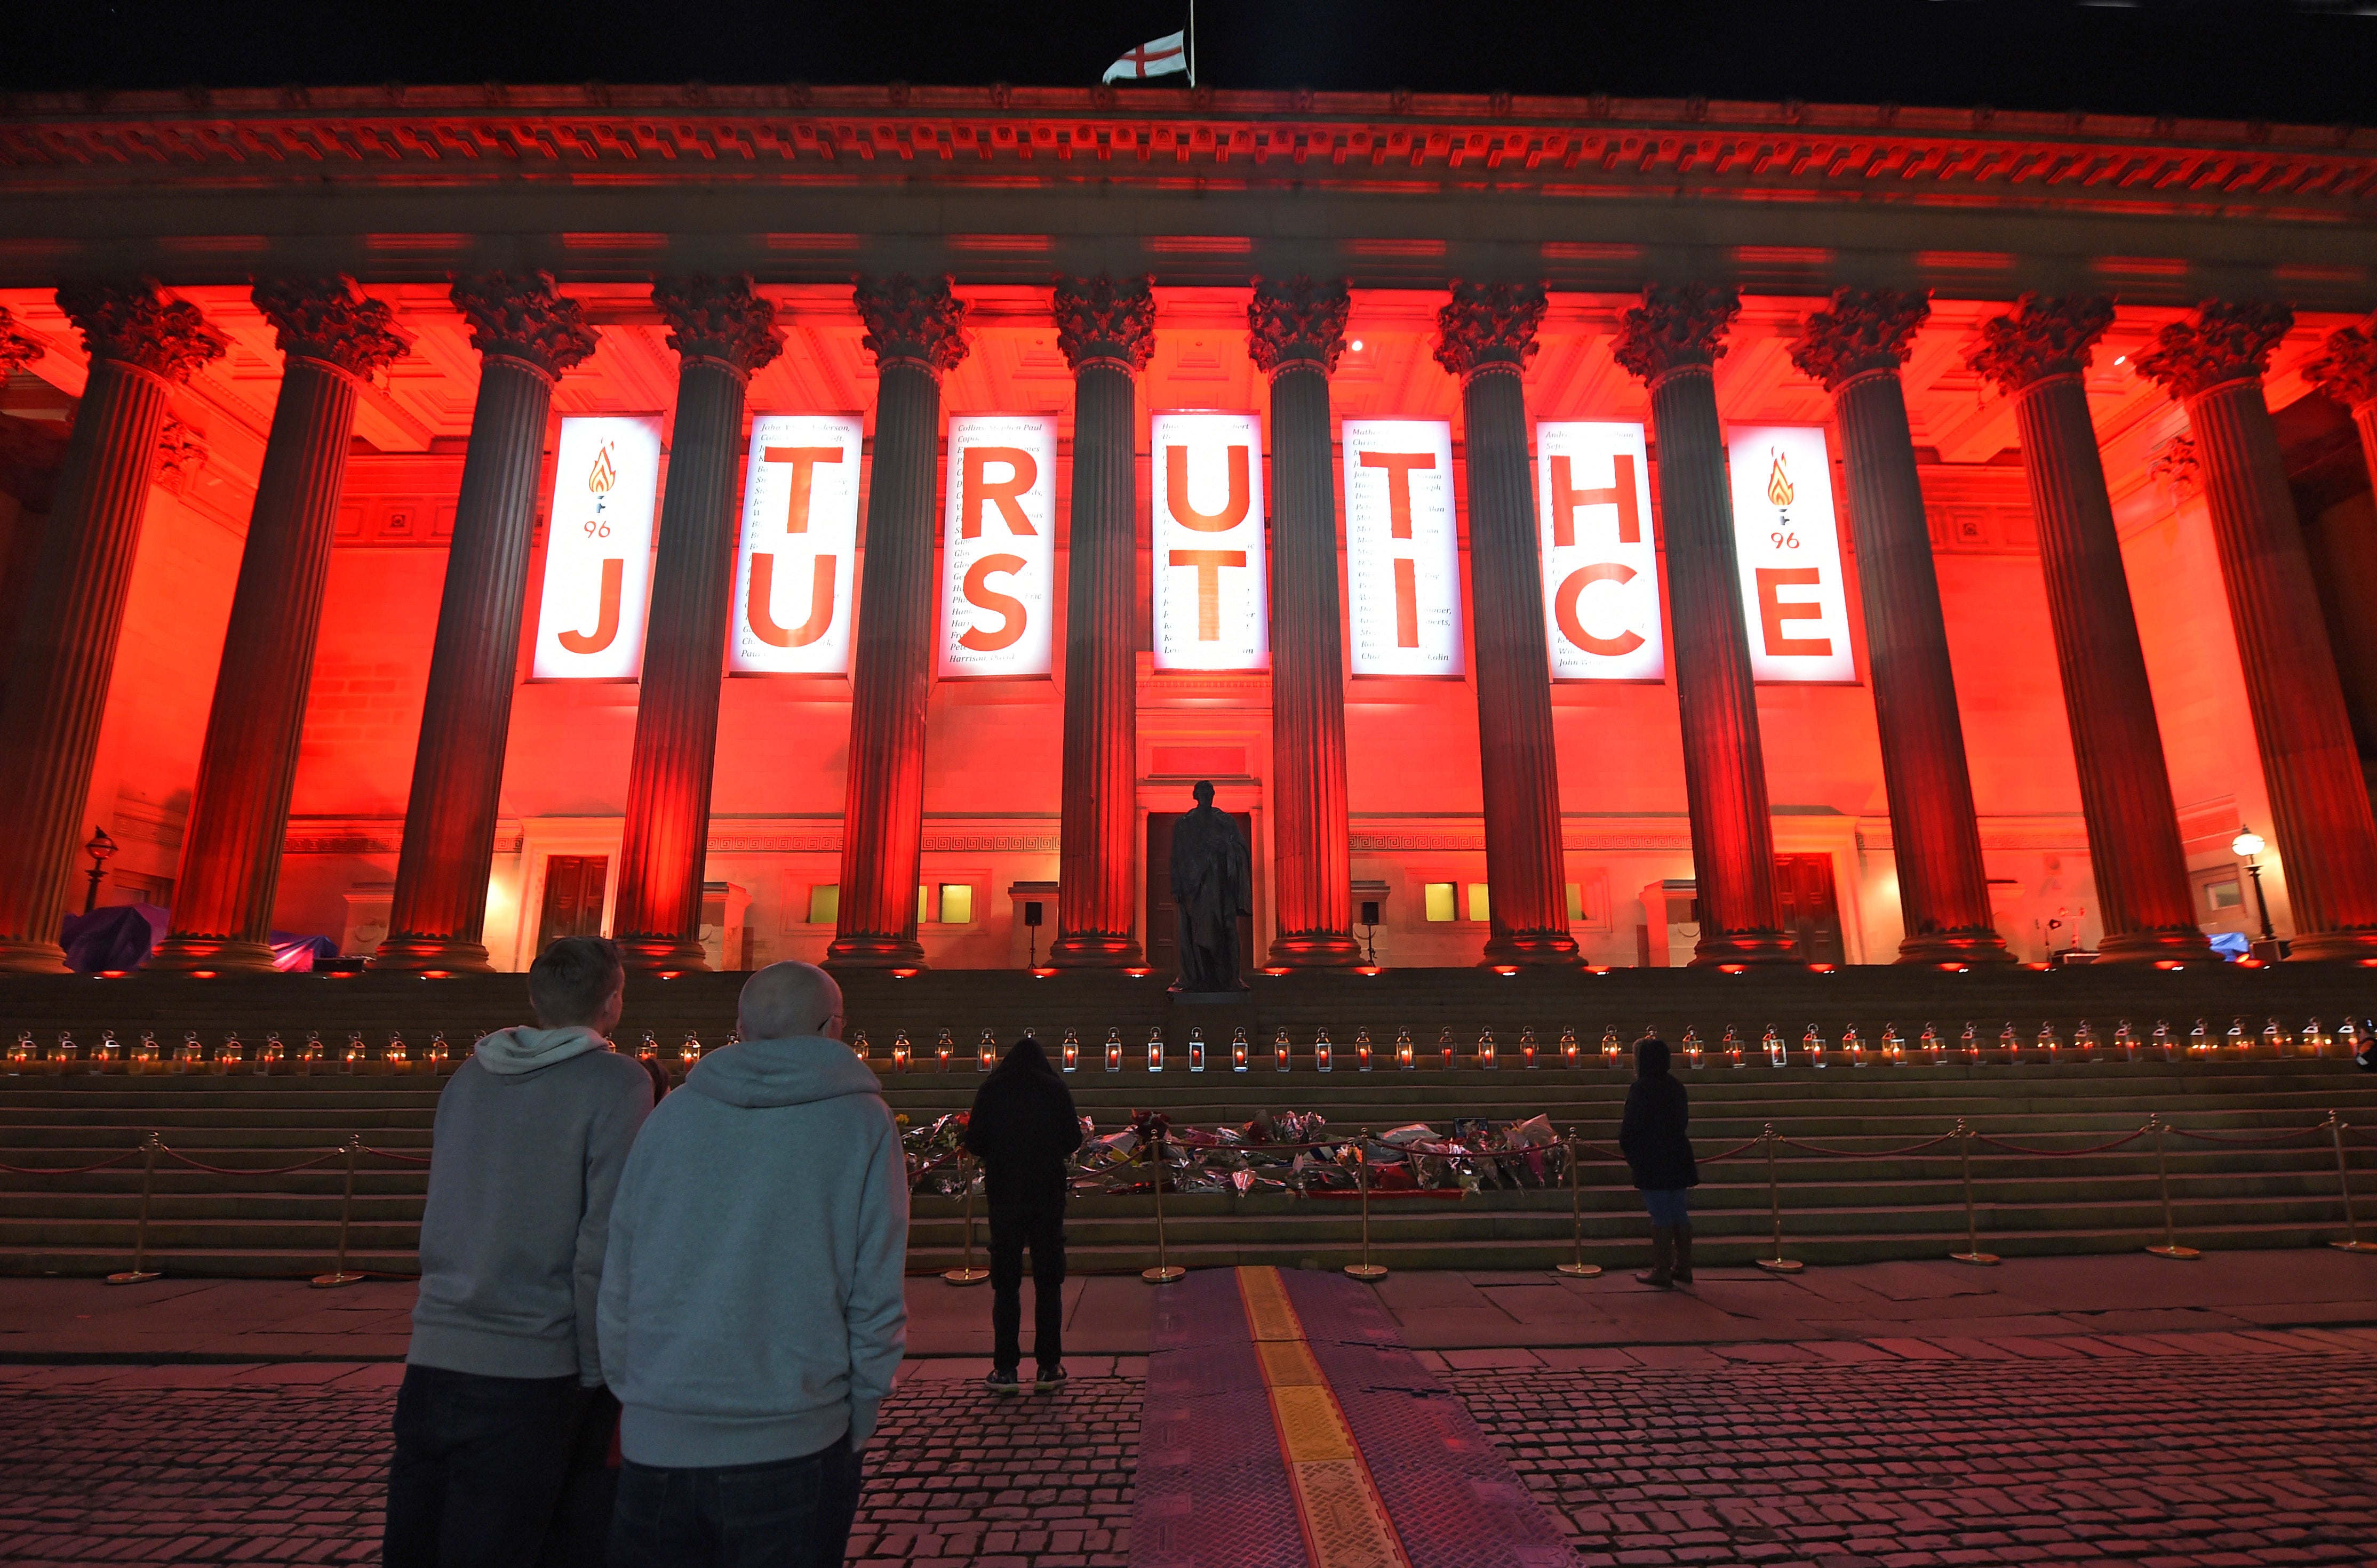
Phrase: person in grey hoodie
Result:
[752,1314]
[503,1382]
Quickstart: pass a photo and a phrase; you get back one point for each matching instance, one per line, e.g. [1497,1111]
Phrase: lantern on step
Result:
[689,1053]
[1935,1049]
[1485,1058]
[1969,1042]
[2051,1049]
[1407,1058]
[2198,1038]
[1240,1051]
[2083,1041]
[1812,1043]
[1568,1047]
[1156,1051]
[20,1055]
[985,1052]
[650,1048]
[1281,1051]
[1777,1053]
[2166,1039]
[231,1054]
[899,1050]
[399,1058]
[2009,1043]
[439,1053]
[2125,1041]
[2238,1041]
[190,1053]
[1069,1052]
[267,1055]
[945,1051]
[1196,1050]
[2313,1039]
[2273,1035]
[1693,1051]
[1114,1048]
[62,1056]
[1893,1049]
[1323,1053]
[1527,1048]
[109,1052]
[859,1047]
[1731,1046]
[1610,1047]
[1362,1049]
[1444,1046]
[309,1055]
[1851,1046]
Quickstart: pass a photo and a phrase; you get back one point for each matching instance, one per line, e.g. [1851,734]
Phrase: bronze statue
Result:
[1213,885]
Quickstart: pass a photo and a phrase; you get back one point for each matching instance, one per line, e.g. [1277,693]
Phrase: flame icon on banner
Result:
[1778,483]
[603,474]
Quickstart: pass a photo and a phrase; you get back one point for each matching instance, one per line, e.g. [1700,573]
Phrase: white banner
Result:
[1792,596]
[1210,604]
[598,550]
[1402,552]
[1601,557]
[792,572]
[999,578]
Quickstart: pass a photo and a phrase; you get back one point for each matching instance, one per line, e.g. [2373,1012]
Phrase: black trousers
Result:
[483,1466]
[1041,1228]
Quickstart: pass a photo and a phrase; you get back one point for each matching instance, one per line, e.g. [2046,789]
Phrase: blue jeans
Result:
[1666,1206]
[787,1513]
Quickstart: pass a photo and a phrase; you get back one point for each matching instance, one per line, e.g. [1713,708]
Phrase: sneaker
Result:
[1048,1378]
[1002,1380]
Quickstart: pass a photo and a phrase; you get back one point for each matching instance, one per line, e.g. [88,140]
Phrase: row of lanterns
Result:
[1930,1045]
[311,1055]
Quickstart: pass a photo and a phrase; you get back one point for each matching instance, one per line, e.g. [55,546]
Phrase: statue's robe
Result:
[1213,885]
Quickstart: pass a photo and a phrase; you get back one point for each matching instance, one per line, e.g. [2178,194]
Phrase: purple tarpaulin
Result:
[121,937]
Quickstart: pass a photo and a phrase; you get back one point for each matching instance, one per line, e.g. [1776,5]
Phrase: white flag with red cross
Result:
[1156,57]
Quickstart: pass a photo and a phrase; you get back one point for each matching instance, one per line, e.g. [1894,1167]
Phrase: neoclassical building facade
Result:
[843,523]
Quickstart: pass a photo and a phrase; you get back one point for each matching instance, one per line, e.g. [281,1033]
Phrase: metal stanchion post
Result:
[967,1274]
[1779,1264]
[1163,1273]
[2344,1181]
[1972,1252]
[2170,1247]
[1576,1267]
[1366,1270]
[139,1272]
[338,1276]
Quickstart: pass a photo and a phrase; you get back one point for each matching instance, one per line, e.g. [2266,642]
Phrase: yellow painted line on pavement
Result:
[1337,1502]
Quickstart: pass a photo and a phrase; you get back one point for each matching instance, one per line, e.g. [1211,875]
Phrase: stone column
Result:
[914,332]
[1673,341]
[1296,330]
[2347,372]
[1855,350]
[1485,335]
[1107,328]
[722,332]
[2212,364]
[2144,902]
[141,346]
[332,340]
[526,335]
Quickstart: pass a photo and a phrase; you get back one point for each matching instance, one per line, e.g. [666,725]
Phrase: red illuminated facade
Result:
[279,521]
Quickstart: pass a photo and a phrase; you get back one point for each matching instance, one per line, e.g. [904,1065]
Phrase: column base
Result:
[1095,950]
[411,954]
[179,954]
[2182,944]
[20,956]
[874,950]
[1763,948]
[1979,945]
[1548,948]
[2358,945]
[663,954]
[1316,950]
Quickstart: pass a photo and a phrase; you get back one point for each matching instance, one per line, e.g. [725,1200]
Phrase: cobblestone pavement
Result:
[196,1464]
[2166,1461]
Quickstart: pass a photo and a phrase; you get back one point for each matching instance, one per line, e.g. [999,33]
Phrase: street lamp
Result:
[2246,845]
[100,847]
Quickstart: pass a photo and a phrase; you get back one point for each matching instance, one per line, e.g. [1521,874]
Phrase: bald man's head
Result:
[784,1000]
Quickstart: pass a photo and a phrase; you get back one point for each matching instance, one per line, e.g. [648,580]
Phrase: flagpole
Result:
[1192,45]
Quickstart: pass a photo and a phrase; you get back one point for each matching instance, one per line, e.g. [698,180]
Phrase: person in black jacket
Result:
[1653,1139]
[1023,1128]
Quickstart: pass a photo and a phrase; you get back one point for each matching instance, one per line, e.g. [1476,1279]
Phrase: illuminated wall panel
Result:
[1789,549]
[598,557]
[1601,557]
[792,601]
[1209,600]
[1402,553]
[999,546]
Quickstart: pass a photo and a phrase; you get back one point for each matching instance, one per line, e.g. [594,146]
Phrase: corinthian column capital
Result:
[2226,340]
[330,320]
[719,319]
[914,323]
[1488,327]
[134,324]
[1106,320]
[1679,327]
[524,317]
[2347,369]
[17,351]
[2044,336]
[1862,331]
[1295,322]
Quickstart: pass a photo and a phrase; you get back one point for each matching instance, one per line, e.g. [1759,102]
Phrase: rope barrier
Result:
[1868,1154]
[2061,1153]
[2249,1139]
[392,1154]
[71,1170]
[179,1158]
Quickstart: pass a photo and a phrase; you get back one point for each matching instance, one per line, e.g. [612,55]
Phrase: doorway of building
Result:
[573,897]
[1163,916]
[1811,916]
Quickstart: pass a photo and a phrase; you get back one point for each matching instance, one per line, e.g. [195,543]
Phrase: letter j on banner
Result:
[1790,547]
[598,551]
[792,572]
[1210,601]
[999,546]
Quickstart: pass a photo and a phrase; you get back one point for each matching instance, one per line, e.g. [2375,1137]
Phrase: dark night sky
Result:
[2312,61]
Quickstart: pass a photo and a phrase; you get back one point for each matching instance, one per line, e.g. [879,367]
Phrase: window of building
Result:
[947,903]
[2224,896]
[1442,900]
[1575,903]
[825,902]
[1480,909]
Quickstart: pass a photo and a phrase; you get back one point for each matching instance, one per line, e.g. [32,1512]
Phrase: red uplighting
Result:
[2248,963]
[1828,969]
[202,974]
[1596,969]
[2367,963]
[1139,974]
[2169,964]
[1505,971]
[1945,969]
[896,974]
[673,974]
[1367,969]
[1731,968]
[1044,972]
[2038,966]
[113,974]
[1276,969]
[341,974]
[448,974]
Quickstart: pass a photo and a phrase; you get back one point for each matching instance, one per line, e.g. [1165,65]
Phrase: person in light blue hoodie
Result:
[752,1315]
[503,1390]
